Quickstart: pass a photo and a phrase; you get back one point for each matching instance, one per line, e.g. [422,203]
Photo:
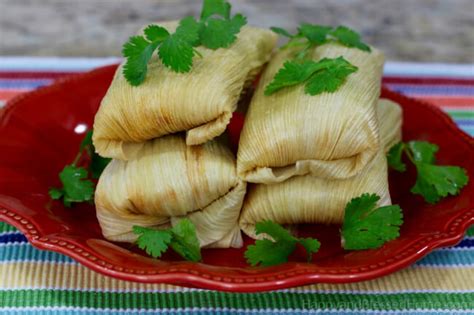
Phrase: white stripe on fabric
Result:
[392,68]
[415,69]
[53,64]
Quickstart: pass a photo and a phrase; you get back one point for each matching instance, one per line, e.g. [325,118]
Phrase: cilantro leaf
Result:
[394,157]
[215,7]
[422,151]
[325,75]
[188,30]
[56,193]
[276,251]
[316,34]
[268,253]
[281,31]
[177,54]
[154,242]
[331,77]
[182,239]
[220,33]
[177,51]
[155,33]
[435,182]
[76,186]
[185,241]
[311,245]
[292,73]
[349,38]
[138,52]
[366,226]
[274,230]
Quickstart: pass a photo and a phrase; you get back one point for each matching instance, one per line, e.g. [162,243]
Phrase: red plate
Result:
[40,133]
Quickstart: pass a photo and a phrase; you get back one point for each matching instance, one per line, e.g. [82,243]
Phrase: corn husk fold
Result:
[331,135]
[169,181]
[309,199]
[200,102]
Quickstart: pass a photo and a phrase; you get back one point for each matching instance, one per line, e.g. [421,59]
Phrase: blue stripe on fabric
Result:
[467,242]
[23,83]
[459,90]
[446,257]
[13,237]
[469,130]
[26,252]
[464,122]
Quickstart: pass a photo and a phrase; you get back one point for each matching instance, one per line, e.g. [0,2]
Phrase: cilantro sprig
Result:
[367,226]
[325,75]
[273,252]
[309,36]
[76,184]
[181,238]
[433,182]
[215,29]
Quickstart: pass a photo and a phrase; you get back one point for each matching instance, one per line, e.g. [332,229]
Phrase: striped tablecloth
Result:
[40,282]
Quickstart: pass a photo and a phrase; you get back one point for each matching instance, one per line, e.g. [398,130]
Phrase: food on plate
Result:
[200,102]
[328,135]
[169,181]
[310,199]
[313,147]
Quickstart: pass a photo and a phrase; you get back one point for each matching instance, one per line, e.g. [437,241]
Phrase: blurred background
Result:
[414,30]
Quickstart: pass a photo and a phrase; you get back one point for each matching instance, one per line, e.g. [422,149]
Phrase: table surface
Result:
[42,282]
[421,30]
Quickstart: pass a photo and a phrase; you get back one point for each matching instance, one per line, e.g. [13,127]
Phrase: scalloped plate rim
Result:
[296,273]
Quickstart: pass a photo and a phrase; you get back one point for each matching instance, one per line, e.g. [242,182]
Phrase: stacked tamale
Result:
[168,163]
[307,156]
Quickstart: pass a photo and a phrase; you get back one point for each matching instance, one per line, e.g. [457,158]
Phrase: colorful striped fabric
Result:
[41,282]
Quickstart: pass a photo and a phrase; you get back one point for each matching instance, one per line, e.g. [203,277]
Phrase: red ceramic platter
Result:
[40,132]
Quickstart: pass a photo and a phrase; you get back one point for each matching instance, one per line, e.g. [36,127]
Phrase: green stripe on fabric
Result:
[461,114]
[6,227]
[275,300]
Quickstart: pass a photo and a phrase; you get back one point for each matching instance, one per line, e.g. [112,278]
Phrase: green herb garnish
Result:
[77,187]
[367,226]
[325,75]
[181,237]
[273,252]
[215,29]
[433,182]
[312,35]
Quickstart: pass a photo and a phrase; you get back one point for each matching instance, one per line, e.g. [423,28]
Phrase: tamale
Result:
[167,181]
[330,135]
[308,199]
[200,102]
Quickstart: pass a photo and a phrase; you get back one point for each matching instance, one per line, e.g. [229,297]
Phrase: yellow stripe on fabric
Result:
[34,275]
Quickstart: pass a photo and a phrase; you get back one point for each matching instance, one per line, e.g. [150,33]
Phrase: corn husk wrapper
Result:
[200,102]
[308,199]
[331,135]
[170,181]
